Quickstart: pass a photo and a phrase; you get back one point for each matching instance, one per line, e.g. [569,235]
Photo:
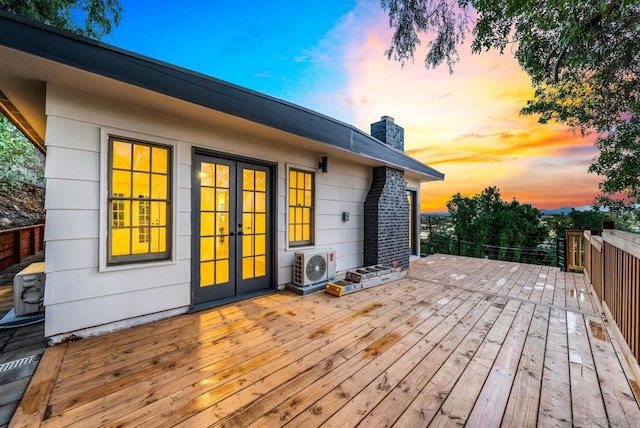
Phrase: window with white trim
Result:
[139,201]
[301,208]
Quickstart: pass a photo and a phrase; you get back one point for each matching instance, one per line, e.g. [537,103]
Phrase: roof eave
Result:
[70,49]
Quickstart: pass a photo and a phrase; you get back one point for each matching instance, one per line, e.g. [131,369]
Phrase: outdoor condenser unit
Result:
[28,290]
[313,267]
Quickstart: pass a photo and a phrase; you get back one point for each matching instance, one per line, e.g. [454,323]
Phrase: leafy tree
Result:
[583,58]
[488,226]
[20,161]
[91,18]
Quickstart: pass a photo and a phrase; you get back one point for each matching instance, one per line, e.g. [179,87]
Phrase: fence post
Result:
[16,247]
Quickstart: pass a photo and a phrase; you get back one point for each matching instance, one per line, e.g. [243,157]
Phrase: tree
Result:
[91,18]
[20,161]
[488,226]
[583,57]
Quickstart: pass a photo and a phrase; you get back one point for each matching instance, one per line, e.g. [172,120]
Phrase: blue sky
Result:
[329,56]
[268,46]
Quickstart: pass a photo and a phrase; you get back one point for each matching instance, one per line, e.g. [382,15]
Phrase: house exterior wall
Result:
[83,293]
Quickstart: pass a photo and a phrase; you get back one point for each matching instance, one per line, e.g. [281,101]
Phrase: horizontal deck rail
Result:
[612,264]
[19,243]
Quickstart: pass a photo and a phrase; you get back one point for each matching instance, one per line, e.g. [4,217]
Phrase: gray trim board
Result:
[67,48]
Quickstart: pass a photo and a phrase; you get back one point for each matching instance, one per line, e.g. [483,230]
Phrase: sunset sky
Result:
[329,56]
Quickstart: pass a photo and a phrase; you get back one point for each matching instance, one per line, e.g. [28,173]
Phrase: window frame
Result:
[312,216]
[414,222]
[109,199]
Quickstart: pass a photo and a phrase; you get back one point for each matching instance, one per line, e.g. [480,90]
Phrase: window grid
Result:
[139,201]
[301,207]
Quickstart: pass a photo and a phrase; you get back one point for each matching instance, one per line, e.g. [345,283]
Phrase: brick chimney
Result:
[388,132]
[386,209]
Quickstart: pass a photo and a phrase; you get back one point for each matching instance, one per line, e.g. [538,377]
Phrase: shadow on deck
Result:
[458,341]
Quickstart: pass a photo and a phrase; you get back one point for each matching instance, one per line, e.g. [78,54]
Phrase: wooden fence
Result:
[612,264]
[20,243]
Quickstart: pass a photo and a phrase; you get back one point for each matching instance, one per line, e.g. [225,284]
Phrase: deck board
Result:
[458,341]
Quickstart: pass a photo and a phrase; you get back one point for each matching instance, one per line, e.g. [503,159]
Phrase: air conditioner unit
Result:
[313,267]
[28,290]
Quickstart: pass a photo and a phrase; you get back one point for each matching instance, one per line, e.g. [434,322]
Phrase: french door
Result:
[231,229]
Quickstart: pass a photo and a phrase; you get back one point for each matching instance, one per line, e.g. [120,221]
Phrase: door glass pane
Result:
[222,200]
[260,266]
[247,200]
[206,224]
[222,176]
[260,223]
[261,181]
[222,271]
[247,223]
[207,270]
[247,245]
[207,174]
[223,224]
[247,179]
[206,249]
[261,202]
[247,268]
[260,244]
[206,199]
[222,248]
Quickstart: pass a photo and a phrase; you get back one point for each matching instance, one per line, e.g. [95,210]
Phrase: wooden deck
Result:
[458,341]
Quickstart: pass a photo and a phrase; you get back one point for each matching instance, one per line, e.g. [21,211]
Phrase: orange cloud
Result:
[467,124]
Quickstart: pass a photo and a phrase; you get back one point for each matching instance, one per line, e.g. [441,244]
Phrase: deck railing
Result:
[612,264]
[20,243]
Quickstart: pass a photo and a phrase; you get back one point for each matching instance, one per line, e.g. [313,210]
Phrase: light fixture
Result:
[324,164]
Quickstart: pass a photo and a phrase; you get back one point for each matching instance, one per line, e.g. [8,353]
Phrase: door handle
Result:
[239,233]
[232,233]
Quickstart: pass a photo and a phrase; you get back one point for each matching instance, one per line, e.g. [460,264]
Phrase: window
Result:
[301,207]
[139,201]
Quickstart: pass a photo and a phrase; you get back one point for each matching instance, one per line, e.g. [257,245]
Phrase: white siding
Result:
[82,292]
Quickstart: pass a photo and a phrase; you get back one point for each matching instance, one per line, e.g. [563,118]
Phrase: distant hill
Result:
[566,210]
[552,211]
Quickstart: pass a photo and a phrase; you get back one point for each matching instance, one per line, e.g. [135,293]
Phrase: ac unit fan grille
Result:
[316,268]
